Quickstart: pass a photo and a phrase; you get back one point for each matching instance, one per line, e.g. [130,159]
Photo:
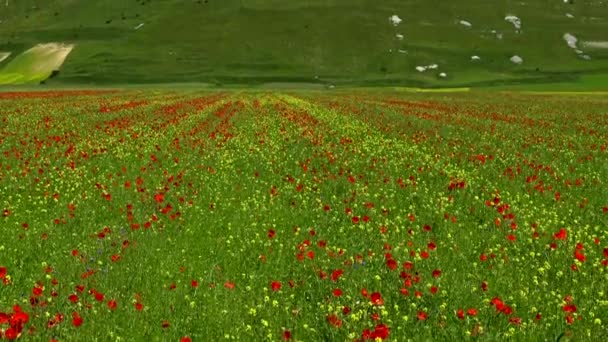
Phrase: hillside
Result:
[351,42]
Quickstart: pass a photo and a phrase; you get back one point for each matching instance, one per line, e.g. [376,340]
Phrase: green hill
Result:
[314,41]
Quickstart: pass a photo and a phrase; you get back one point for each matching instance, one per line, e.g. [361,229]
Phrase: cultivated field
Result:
[304,216]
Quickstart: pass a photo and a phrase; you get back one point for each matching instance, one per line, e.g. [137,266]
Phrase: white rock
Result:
[402,51]
[443,75]
[569,15]
[586,57]
[395,20]
[421,68]
[465,23]
[514,20]
[475,58]
[399,36]
[138,26]
[517,60]
[570,40]
[433,66]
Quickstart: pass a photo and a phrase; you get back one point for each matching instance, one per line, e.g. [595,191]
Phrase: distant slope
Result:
[337,41]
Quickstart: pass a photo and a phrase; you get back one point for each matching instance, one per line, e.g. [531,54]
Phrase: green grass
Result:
[344,42]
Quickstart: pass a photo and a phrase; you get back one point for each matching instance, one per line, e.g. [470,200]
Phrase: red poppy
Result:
[334,320]
[165,324]
[159,198]
[229,285]
[275,286]
[472,312]
[569,308]
[391,264]
[287,335]
[422,316]
[76,319]
[139,306]
[194,284]
[460,314]
[561,235]
[3,271]
[185,339]
[337,292]
[336,274]
[580,256]
[436,273]
[112,304]
[271,233]
[376,298]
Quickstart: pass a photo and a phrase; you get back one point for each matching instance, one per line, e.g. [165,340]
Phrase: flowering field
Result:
[189,216]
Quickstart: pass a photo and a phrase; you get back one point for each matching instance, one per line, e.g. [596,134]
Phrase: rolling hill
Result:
[422,43]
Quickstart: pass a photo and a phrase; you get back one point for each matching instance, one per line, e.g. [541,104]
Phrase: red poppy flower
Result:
[337,292]
[569,308]
[334,320]
[275,286]
[336,274]
[112,304]
[460,314]
[3,272]
[229,285]
[271,233]
[472,312]
[391,264]
[159,198]
[436,273]
[287,335]
[569,319]
[139,306]
[580,256]
[165,324]
[422,316]
[561,235]
[376,298]
[185,339]
[76,319]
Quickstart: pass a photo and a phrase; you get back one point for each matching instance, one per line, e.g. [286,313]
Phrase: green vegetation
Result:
[342,42]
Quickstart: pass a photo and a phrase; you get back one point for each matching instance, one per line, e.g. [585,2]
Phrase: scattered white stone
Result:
[402,51]
[465,23]
[578,52]
[569,15]
[421,68]
[514,20]
[570,40]
[586,57]
[475,58]
[433,66]
[399,36]
[517,60]
[138,26]
[443,75]
[395,20]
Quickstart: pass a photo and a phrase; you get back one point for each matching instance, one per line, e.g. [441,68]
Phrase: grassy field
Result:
[342,42]
[302,215]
